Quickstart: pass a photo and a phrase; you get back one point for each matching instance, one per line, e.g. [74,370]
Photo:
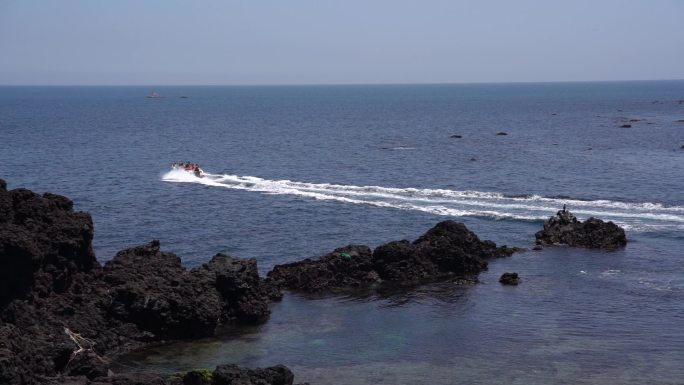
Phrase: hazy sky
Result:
[345,41]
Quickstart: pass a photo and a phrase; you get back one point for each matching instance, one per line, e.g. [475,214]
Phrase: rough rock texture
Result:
[564,228]
[50,280]
[447,251]
[222,375]
[234,375]
[43,243]
[347,267]
[509,279]
[152,290]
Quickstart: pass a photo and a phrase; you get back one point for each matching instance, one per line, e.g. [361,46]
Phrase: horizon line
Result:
[337,84]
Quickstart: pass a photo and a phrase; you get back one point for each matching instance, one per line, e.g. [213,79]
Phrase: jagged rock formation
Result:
[152,290]
[43,243]
[564,228]
[50,280]
[447,251]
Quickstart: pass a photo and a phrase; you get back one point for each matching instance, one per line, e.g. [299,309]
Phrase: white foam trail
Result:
[642,217]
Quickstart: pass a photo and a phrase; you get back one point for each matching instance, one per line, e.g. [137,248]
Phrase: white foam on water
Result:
[641,217]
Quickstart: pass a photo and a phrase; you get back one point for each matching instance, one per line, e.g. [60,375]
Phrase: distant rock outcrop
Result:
[509,279]
[447,251]
[564,228]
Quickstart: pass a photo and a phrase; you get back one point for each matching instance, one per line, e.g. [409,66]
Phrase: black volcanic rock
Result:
[50,281]
[564,228]
[345,268]
[244,295]
[509,279]
[87,364]
[447,251]
[234,375]
[43,243]
[152,290]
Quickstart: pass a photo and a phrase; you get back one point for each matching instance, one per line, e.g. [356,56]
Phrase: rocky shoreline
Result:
[64,316]
[57,299]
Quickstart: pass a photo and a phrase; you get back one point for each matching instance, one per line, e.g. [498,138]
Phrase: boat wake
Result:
[643,217]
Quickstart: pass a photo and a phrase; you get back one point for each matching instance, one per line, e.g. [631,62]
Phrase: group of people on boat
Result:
[187,166]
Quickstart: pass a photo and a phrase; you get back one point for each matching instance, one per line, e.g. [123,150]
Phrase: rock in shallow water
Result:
[234,375]
[447,251]
[564,228]
[509,279]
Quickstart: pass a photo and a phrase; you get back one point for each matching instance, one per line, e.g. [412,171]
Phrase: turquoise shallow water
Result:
[298,171]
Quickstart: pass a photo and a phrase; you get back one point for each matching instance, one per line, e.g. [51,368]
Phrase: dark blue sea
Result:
[296,171]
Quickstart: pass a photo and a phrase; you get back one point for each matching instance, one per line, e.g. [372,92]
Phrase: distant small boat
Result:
[155,95]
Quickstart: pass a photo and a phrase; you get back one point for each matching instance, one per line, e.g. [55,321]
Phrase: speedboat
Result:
[154,95]
[192,168]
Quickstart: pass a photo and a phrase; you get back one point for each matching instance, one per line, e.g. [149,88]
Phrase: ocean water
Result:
[296,171]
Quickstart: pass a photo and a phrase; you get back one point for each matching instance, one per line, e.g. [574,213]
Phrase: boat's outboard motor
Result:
[197,172]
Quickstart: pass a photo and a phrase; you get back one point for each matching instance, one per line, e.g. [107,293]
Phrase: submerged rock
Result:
[447,251]
[232,374]
[221,375]
[564,228]
[509,279]
[502,133]
[456,136]
[626,126]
